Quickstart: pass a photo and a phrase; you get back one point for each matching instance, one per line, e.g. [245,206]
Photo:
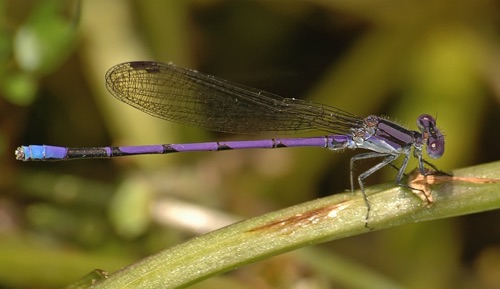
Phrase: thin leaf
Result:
[321,220]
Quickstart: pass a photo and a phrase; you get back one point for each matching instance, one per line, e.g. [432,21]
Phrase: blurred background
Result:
[59,221]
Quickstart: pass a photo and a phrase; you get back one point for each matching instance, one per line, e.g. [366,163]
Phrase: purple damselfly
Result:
[189,97]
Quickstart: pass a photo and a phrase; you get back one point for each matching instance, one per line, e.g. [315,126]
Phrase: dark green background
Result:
[59,221]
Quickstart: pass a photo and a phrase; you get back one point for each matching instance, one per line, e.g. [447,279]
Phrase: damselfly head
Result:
[433,136]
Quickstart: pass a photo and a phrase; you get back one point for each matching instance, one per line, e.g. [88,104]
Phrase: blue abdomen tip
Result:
[40,152]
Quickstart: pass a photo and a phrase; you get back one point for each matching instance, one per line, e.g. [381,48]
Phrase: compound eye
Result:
[435,148]
[425,121]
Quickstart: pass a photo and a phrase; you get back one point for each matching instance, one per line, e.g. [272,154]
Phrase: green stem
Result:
[321,220]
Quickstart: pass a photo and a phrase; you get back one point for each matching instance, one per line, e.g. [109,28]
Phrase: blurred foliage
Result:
[384,57]
[38,44]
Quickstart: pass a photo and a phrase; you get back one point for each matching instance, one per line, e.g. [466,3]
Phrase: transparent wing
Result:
[189,97]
